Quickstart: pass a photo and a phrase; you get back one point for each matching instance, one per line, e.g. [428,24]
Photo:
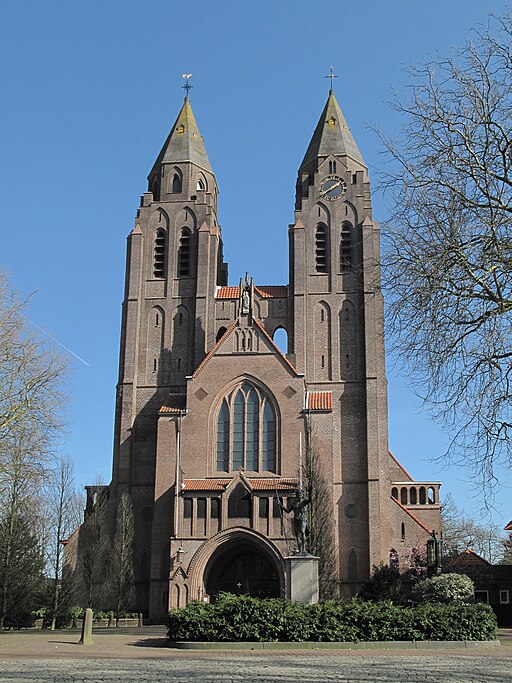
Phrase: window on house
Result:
[504,597]
[346,246]
[159,254]
[184,254]
[246,431]
[352,565]
[482,596]
[321,249]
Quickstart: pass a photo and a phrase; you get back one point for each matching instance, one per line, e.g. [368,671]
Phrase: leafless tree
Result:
[507,550]
[121,563]
[461,532]
[321,539]
[20,482]
[31,373]
[448,243]
[93,554]
[60,519]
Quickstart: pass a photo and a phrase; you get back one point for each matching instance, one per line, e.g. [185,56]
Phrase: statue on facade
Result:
[297,506]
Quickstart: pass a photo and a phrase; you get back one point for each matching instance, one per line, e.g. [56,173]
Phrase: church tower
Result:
[337,338]
[174,264]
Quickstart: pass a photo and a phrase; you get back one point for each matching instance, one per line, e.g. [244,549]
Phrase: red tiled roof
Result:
[410,514]
[205,484]
[272,291]
[227,293]
[509,526]
[469,557]
[265,291]
[272,484]
[174,405]
[319,400]
[269,484]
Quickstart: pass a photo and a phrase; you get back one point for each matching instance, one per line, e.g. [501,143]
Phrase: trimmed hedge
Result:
[240,618]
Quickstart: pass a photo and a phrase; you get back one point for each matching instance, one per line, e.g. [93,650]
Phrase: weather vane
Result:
[331,75]
[187,85]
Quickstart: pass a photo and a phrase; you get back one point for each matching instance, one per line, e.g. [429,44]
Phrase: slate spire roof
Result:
[184,142]
[332,135]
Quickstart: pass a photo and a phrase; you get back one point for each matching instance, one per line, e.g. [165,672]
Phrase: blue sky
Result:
[90,91]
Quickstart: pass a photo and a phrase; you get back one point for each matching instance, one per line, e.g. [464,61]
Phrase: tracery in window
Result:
[246,431]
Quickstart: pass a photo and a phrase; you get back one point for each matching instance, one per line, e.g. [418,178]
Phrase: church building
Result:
[212,418]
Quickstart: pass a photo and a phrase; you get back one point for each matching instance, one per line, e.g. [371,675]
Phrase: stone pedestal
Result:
[302,578]
[86,638]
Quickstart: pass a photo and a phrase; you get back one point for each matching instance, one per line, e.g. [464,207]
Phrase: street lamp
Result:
[434,555]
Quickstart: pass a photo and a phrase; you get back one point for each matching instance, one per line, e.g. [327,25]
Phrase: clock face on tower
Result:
[332,187]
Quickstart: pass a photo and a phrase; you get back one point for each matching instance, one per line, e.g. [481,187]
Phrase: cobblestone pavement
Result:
[275,667]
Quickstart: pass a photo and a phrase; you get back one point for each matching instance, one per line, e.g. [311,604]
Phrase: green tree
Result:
[448,243]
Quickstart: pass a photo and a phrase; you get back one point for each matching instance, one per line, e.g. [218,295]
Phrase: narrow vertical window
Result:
[251,431]
[269,438]
[184,254]
[238,430]
[346,246]
[352,565]
[321,249]
[159,254]
[177,183]
[223,439]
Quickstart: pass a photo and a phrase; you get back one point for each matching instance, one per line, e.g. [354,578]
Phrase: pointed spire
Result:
[184,142]
[332,135]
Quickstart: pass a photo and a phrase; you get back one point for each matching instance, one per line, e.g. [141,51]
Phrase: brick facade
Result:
[210,414]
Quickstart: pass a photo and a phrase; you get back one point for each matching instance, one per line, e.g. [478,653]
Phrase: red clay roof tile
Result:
[319,400]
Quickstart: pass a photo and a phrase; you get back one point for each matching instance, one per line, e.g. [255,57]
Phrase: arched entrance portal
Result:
[242,568]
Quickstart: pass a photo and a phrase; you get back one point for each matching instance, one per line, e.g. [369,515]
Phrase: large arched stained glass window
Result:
[246,431]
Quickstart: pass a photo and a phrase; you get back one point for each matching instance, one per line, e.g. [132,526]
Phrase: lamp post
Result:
[434,555]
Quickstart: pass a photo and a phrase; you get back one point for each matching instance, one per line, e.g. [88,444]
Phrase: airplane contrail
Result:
[58,342]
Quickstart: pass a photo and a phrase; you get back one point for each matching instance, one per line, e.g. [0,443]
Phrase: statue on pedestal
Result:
[297,505]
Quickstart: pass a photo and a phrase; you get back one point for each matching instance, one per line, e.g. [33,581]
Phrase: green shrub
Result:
[447,589]
[383,585]
[232,618]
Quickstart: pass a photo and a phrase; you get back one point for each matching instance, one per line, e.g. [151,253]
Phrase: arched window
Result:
[403,495]
[159,253]
[144,564]
[413,496]
[221,332]
[346,246]
[177,182]
[352,565]
[423,496]
[394,492]
[200,184]
[184,253]
[223,438]
[321,255]
[246,431]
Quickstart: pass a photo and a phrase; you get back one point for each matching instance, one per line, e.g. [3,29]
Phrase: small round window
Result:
[351,511]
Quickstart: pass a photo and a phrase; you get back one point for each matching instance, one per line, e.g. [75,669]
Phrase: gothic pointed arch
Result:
[180,344]
[155,344]
[176,180]
[348,340]
[321,248]
[246,425]
[322,335]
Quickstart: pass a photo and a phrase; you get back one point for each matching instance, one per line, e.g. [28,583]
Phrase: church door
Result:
[242,569]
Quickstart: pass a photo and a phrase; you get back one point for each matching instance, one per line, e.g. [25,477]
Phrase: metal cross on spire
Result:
[187,87]
[331,75]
